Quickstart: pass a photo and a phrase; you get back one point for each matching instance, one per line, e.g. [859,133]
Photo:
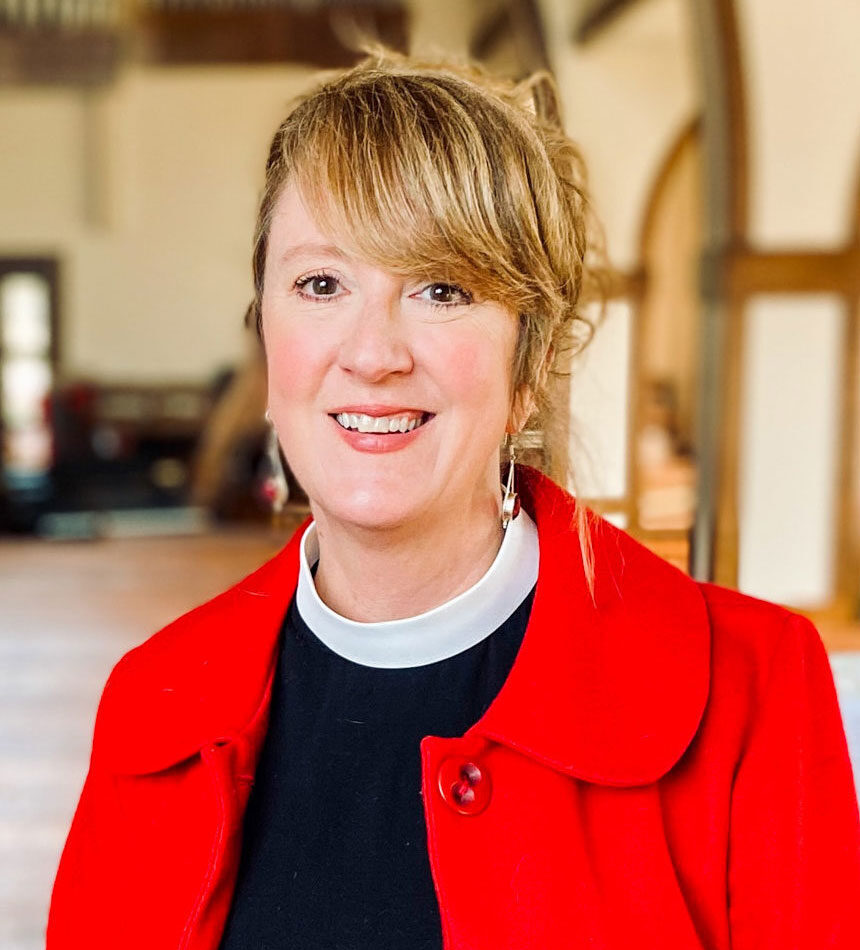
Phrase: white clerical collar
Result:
[439,633]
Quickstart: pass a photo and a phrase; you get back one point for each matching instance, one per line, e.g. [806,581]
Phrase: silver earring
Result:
[510,500]
[275,487]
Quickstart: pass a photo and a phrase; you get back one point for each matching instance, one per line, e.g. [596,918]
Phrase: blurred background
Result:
[716,415]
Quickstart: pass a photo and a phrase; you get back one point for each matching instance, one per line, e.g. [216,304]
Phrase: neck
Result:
[371,575]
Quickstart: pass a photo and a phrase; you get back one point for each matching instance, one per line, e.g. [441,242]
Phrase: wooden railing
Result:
[73,15]
[61,41]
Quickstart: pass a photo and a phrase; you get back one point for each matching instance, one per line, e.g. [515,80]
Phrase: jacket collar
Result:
[609,688]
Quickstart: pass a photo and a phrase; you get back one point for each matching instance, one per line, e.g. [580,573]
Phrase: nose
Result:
[376,344]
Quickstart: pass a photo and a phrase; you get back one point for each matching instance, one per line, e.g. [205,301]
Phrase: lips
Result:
[380,429]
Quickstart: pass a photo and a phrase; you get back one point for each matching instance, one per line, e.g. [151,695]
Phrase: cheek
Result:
[479,376]
[293,361]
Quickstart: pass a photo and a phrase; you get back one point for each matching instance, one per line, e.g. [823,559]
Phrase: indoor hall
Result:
[714,414]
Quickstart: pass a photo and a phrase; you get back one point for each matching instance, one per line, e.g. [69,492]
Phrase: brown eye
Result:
[318,285]
[323,286]
[447,294]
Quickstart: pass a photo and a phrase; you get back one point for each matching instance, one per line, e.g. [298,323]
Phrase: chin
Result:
[371,510]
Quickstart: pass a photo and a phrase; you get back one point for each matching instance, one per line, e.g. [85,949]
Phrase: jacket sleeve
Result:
[83,900]
[82,895]
[794,844]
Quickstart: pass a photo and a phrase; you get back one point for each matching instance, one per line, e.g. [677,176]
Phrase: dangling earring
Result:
[510,500]
[275,487]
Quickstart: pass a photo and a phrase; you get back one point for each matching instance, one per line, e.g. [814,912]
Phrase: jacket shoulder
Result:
[755,642]
[173,642]
[759,624]
[198,678]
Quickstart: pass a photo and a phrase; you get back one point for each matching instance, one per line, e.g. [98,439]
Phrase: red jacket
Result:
[665,767]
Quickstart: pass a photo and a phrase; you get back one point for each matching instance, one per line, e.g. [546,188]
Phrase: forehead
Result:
[306,226]
[293,227]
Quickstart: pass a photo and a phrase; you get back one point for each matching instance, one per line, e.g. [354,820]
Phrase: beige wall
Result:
[802,75]
[628,94]
[147,193]
[789,441]
[41,166]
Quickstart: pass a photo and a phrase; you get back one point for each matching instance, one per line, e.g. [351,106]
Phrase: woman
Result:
[467,722]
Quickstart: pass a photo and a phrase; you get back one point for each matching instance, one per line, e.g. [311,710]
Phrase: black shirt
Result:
[334,854]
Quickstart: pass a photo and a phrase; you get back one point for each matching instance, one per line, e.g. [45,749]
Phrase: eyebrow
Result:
[307,249]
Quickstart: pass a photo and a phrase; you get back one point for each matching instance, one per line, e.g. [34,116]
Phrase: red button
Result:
[464,785]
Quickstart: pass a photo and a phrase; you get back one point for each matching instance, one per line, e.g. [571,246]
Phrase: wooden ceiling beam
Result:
[318,37]
[325,36]
[80,57]
[490,31]
[597,17]
[519,21]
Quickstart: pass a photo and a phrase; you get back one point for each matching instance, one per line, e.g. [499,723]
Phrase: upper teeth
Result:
[365,423]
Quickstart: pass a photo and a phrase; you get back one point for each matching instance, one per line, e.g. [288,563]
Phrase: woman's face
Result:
[350,348]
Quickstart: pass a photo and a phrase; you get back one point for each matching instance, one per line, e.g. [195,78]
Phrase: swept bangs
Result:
[413,176]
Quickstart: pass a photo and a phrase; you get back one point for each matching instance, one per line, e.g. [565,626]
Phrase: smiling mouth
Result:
[381,425]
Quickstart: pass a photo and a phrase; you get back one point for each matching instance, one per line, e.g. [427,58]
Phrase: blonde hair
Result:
[436,169]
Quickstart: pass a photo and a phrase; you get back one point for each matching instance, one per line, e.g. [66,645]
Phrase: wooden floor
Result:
[68,611]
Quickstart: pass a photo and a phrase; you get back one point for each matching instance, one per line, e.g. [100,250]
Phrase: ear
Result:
[524,403]
[522,406]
